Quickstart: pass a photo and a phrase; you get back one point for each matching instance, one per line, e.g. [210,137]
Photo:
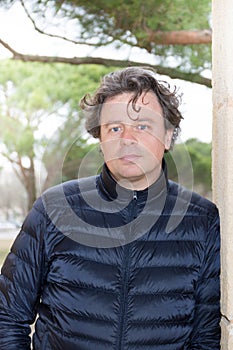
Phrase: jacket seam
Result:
[64,333]
[177,267]
[83,317]
[151,342]
[84,287]
[23,260]
[91,260]
[160,322]
[162,294]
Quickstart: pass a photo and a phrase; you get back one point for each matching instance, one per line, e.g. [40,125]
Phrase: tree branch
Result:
[56,35]
[181,37]
[173,73]
[8,47]
[73,41]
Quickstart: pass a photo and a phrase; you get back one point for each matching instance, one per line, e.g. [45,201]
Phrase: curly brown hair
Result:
[136,80]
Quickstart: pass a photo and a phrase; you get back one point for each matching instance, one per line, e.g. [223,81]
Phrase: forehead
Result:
[147,106]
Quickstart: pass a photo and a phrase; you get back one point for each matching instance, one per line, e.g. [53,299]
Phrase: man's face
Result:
[133,143]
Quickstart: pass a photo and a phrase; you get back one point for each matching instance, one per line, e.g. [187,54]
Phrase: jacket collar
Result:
[113,191]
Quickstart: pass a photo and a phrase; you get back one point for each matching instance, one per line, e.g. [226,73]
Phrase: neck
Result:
[114,188]
[139,183]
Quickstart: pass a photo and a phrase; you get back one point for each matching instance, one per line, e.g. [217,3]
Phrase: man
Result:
[123,260]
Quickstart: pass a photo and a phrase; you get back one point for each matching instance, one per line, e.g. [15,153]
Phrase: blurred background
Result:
[53,52]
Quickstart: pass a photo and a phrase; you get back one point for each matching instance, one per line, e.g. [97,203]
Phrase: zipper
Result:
[134,211]
[125,279]
[124,295]
[135,195]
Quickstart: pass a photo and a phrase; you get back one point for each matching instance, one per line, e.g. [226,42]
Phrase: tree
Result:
[34,97]
[177,33]
[13,197]
[200,161]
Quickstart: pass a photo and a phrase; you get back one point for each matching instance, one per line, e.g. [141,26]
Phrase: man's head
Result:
[135,80]
[136,119]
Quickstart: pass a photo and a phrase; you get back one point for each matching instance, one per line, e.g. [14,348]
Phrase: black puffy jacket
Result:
[107,268]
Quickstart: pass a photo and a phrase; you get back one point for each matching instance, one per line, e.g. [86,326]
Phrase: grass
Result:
[5,245]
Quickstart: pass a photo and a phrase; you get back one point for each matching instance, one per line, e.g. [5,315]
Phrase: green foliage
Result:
[200,154]
[104,21]
[81,161]
[30,95]
[200,157]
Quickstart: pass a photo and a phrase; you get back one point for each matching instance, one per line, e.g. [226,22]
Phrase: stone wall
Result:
[222,45]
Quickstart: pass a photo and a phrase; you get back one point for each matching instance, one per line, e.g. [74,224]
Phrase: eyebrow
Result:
[140,120]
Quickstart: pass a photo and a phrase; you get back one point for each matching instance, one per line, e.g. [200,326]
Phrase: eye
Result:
[142,127]
[115,129]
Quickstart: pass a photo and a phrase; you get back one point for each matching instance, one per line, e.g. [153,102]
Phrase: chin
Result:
[130,175]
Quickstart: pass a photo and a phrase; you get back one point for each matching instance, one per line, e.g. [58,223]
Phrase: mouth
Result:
[130,158]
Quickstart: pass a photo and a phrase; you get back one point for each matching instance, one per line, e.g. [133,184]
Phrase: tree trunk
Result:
[27,177]
[30,185]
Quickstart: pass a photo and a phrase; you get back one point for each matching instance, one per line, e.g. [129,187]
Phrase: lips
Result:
[130,157]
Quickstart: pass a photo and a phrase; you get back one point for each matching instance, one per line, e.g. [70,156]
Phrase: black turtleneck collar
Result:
[114,191]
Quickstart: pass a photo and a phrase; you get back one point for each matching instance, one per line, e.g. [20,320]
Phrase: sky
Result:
[18,32]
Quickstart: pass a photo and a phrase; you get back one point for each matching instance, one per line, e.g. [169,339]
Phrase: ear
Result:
[100,147]
[168,139]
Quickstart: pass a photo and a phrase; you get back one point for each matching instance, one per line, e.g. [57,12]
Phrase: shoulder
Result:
[194,202]
[64,194]
[191,213]
[69,189]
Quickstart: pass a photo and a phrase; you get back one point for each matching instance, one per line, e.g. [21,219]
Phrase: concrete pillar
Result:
[222,45]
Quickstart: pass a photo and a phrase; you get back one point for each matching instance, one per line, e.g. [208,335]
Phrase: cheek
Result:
[153,150]
[153,142]
[109,149]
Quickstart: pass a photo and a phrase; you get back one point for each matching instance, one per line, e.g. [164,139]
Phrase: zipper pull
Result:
[135,196]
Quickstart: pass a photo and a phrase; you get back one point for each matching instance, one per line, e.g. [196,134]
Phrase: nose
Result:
[127,136]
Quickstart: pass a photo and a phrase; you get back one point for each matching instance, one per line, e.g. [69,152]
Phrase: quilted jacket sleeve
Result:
[206,334]
[20,284]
